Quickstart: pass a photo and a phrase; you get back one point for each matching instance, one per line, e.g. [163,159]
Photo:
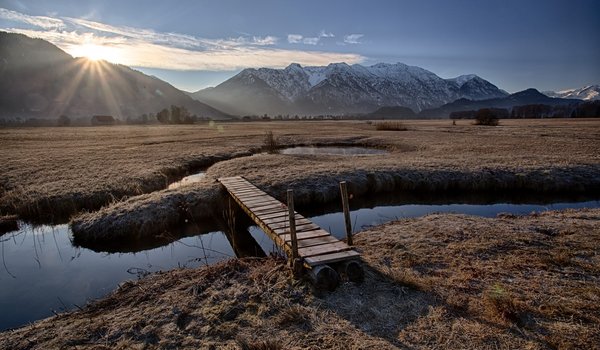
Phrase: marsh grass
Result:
[270,144]
[51,174]
[498,301]
[269,344]
[512,272]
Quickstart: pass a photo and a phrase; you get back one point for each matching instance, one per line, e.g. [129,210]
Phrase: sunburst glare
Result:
[96,52]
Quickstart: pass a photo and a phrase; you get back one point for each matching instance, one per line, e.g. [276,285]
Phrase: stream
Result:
[43,258]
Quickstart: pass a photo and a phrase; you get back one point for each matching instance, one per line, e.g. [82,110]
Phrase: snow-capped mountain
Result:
[588,93]
[341,88]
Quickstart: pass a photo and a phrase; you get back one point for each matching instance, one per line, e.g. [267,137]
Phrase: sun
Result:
[97,52]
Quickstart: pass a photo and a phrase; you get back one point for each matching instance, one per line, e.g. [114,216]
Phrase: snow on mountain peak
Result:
[587,93]
[462,79]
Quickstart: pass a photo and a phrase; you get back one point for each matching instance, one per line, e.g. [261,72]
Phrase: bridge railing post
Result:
[292,216]
[346,207]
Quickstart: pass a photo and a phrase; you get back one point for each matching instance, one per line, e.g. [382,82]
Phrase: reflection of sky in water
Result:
[346,151]
[50,274]
[366,217]
[48,271]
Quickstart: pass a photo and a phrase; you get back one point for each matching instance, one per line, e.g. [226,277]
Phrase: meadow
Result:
[438,281]
[53,174]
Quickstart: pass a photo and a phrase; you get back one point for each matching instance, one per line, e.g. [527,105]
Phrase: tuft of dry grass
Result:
[390,126]
[269,344]
[270,144]
[498,301]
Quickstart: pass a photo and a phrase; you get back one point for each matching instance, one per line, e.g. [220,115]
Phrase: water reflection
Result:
[43,259]
[341,151]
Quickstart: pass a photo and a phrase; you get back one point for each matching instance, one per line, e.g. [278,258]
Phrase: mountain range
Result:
[39,80]
[587,93]
[521,98]
[340,88]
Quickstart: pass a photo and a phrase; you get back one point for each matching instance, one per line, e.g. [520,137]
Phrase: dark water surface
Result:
[42,271]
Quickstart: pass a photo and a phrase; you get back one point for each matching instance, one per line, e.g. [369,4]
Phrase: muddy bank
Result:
[439,281]
[315,180]
[148,215]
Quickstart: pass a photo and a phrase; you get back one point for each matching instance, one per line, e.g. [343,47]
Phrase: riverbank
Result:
[439,281]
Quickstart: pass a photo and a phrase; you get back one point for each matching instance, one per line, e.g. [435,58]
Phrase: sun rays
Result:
[97,52]
[95,79]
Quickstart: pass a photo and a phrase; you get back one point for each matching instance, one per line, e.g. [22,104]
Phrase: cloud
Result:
[294,38]
[311,41]
[324,34]
[36,21]
[139,47]
[300,39]
[353,38]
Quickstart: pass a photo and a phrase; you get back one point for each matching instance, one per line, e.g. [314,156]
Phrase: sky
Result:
[546,44]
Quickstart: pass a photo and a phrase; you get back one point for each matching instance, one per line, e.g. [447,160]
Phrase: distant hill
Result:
[525,97]
[586,93]
[340,88]
[39,80]
[395,112]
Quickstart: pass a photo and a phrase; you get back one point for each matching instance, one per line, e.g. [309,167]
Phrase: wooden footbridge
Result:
[309,247]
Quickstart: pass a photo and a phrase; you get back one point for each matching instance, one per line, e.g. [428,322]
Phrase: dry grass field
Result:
[57,172]
[530,155]
[435,282]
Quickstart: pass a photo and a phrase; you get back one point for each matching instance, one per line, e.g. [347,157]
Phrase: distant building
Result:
[103,120]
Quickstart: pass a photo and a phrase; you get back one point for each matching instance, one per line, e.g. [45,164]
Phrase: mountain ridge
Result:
[39,80]
[586,93]
[521,98]
[339,88]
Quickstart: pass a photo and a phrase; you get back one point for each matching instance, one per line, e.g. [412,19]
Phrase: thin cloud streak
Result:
[148,55]
[300,39]
[37,21]
[147,48]
[353,38]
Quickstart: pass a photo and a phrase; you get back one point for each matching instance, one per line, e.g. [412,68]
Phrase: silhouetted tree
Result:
[163,116]
[485,116]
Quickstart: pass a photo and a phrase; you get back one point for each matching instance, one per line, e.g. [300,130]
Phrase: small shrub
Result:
[270,144]
[485,116]
[390,126]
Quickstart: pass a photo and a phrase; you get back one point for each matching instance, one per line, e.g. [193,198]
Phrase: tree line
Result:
[588,109]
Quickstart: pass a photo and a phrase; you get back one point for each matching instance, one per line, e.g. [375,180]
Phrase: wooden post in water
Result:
[292,216]
[346,207]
